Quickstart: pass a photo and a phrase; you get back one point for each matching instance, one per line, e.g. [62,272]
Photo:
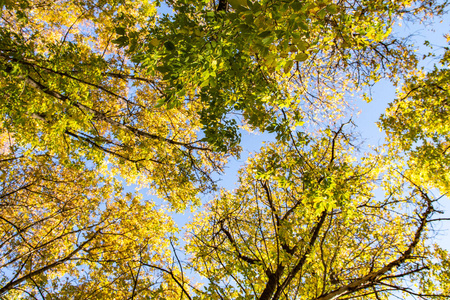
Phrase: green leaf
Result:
[301,57]
[120,30]
[297,5]
[237,3]
[154,42]
[163,69]
[268,40]
[265,34]
[288,66]
[332,8]
[169,46]
[302,45]
[121,41]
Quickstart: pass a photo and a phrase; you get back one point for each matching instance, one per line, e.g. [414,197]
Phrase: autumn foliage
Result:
[96,95]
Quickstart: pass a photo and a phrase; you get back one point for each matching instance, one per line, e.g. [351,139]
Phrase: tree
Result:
[70,93]
[306,223]
[67,230]
[420,114]
[98,93]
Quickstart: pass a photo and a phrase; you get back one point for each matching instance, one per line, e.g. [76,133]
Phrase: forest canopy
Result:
[96,95]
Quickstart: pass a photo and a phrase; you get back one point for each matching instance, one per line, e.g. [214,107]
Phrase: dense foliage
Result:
[96,94]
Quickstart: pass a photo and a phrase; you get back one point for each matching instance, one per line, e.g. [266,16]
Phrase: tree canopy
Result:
[100,94]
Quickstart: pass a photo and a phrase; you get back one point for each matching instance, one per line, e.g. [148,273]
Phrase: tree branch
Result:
[13,283]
